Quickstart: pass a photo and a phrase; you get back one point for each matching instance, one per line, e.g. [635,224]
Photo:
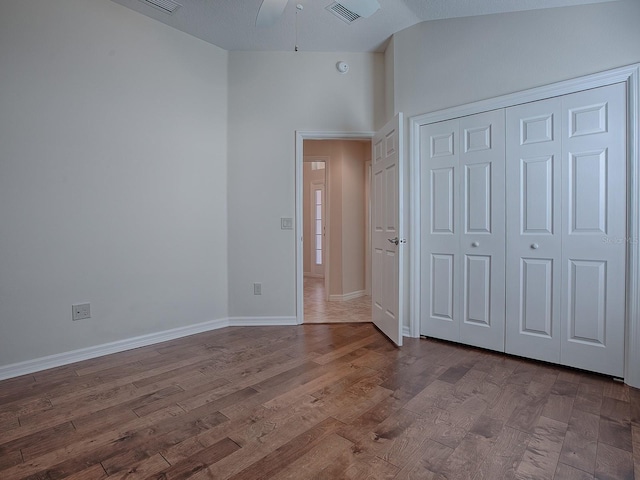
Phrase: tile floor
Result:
[318,310]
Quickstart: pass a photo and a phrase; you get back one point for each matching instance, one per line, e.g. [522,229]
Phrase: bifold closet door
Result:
[482,232]
[462,198]
[594,229]
[566,229]
[534,240]
[440,227]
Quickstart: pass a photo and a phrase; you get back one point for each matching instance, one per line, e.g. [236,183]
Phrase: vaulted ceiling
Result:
[230,24]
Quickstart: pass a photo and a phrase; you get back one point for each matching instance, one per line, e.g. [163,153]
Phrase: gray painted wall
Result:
[113,156]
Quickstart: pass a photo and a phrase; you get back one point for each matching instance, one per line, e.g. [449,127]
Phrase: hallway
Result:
[318,310]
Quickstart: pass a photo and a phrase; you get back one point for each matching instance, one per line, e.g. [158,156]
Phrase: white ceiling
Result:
[230,24]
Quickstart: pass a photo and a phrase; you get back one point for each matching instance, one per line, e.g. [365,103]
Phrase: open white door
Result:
[387,230]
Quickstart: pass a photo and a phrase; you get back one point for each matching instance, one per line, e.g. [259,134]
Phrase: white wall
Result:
[444,63]
[113,189]
[271,95]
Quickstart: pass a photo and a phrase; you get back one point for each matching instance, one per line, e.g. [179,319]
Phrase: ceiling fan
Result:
[271,10]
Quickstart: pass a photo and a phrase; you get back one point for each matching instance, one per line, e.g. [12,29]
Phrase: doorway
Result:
[332,207]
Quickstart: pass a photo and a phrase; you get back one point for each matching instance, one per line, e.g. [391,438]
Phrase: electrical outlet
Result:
[80,311]
[257,289]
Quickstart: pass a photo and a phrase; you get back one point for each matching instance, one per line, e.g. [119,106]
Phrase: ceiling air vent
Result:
[343,13]
[166,6]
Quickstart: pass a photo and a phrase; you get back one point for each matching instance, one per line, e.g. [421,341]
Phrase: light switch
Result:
[286,223]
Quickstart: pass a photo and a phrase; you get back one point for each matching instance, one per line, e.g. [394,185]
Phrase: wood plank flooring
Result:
[316,402]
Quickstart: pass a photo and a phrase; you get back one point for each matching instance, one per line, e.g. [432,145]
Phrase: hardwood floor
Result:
[318,310]
[316,402]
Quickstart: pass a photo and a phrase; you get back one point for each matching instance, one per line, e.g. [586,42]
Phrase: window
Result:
[318,223]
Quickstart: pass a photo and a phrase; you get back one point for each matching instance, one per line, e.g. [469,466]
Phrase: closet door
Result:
[594,229]
[482,232]
[440,227]
[462,221]
[534,240]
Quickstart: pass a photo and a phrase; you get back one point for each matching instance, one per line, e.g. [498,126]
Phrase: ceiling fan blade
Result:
[270,11]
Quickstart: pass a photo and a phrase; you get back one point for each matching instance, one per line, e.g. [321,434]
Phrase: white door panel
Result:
[442,287]
[439,197]
[482,241]
[463,230]
[594,230]
[536,295]
[442,200]
[534,243]
[386,197]
[587,184]
[537,198]
[477,298]
[477,192]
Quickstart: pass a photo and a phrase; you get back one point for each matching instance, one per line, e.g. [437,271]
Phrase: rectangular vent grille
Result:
[166,6]
[343,13]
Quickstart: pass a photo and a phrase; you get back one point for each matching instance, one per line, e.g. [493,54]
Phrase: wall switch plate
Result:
[80,311]
[257,289]
[286,223]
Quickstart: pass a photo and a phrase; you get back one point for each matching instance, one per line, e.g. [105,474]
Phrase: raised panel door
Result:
[534,240]
[440,226]
[594,229]
[482,236]
[387,244]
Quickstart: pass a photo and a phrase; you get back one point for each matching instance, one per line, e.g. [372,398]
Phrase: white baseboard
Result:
[406,331]
[59,359]
[261,321]
[347,296]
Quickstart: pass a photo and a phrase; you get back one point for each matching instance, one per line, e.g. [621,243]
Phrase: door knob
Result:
[395,240]
[534,246]
[475,244]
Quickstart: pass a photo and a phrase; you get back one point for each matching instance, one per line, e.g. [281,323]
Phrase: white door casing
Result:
[387,229]
[300,137]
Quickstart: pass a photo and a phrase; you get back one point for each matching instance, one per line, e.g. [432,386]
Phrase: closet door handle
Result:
[534,246]
[475,244]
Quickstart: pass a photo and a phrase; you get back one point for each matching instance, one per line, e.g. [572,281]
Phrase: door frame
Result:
[630,75]
[300,137]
